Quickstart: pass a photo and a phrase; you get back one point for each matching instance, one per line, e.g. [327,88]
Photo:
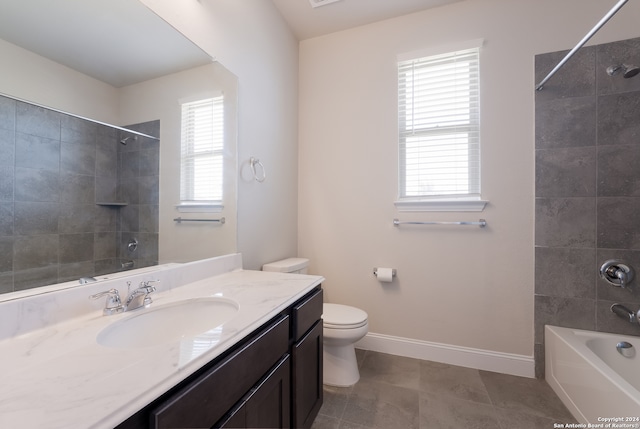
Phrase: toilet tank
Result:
[290,265]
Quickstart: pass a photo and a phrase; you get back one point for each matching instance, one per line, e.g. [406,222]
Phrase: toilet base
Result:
[340,366]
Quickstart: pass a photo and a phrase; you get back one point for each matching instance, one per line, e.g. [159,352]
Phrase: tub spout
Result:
[623,312]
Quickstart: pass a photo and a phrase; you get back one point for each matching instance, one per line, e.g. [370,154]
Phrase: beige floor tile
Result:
[394,370]
[403,393]
[450,380]
[440,412]
[527,395]
[379,405]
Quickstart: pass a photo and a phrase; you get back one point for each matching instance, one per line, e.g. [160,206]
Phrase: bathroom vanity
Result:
[270,379]
[260,368]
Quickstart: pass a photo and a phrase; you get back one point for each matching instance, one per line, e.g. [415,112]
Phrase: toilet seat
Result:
[338,316]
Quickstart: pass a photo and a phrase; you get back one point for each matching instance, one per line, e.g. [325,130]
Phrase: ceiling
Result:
[307,22]
[122,42]
[119,42]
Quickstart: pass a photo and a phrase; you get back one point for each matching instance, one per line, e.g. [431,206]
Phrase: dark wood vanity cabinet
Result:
[271,379]
[306,357]
[203,401]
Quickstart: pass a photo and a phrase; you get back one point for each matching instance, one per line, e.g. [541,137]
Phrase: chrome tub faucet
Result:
[623,312]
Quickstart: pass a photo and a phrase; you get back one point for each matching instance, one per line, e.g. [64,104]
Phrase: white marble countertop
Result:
[58,376]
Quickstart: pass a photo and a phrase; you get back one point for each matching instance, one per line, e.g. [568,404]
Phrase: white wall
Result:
[251,39]
[36,79]
[461,286]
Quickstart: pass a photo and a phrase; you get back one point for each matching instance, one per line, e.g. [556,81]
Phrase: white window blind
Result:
[439,126]
[201,166]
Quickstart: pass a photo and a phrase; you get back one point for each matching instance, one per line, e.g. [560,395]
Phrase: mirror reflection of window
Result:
[202,144]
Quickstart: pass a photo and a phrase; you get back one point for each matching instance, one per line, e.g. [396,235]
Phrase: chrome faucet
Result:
[113,304]
[623,312]
[616,273]
[140,296]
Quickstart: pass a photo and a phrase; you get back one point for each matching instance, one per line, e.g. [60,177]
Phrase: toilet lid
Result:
[338,316]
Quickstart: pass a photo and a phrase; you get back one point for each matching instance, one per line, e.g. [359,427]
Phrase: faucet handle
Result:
[113,305]
[148,286]
[616,273]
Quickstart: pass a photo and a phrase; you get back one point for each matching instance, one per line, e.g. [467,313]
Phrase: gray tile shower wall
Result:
[587,188]
[61,180]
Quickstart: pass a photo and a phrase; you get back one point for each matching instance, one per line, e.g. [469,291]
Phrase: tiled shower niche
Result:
[587,190]
[72,197]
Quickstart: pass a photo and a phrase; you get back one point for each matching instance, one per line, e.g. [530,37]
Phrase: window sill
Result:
[200,207]
[441,205]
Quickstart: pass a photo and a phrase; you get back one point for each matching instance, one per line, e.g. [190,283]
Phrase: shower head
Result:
[126,139]
[631,71]
[627,70]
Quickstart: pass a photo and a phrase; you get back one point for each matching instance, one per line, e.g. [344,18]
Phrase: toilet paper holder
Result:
[393,272]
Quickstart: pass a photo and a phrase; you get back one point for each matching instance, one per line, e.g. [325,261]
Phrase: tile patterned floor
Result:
[403,393]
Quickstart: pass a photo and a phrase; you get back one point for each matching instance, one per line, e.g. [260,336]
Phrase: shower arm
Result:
[584,40]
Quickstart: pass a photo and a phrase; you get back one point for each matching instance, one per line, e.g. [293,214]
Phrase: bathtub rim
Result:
[576,339]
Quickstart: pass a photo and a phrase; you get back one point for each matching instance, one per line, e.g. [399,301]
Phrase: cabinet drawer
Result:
[306,314]
[204,401]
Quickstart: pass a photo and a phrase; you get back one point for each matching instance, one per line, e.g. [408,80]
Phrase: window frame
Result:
[451,202]
[194,205]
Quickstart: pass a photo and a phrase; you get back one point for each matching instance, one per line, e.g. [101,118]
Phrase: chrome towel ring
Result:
[259,177]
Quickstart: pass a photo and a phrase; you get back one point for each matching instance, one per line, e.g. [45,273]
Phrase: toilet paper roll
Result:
[385,275]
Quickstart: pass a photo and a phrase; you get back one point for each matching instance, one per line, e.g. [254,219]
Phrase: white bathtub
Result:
[594,381]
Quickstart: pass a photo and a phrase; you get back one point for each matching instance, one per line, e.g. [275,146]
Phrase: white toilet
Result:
[342,327]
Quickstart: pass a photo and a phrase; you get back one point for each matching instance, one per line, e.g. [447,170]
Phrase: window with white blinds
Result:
[439,126]
[201,166]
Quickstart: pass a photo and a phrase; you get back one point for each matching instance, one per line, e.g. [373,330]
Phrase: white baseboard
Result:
[505,363]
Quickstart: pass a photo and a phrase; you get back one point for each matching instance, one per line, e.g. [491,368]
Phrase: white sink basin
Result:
[167,323]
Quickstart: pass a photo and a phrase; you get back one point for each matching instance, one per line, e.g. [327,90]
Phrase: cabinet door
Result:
[205,400]
[307,377]
[268,403]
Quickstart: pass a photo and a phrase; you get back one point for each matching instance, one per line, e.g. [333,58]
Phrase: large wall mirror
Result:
[91,94]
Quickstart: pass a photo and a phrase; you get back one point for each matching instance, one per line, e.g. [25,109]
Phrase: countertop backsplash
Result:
[26,311]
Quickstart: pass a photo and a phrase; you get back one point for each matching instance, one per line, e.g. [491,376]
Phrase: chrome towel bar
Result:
[180,220]
[481,223]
